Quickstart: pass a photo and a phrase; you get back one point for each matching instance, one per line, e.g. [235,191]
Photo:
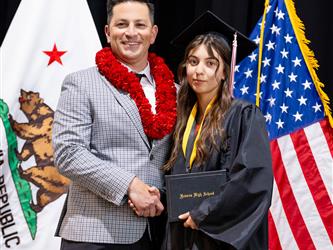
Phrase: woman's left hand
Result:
[188,220]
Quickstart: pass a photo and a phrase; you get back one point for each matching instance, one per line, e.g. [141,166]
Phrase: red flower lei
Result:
[156,126]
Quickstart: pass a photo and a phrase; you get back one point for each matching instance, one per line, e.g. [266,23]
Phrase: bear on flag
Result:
[39,49]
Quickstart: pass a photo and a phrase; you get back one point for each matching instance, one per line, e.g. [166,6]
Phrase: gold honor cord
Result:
[188,128]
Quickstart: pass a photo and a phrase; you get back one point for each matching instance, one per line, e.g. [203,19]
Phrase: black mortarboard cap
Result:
[209,22]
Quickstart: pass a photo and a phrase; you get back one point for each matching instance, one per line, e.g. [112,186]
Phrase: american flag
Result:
[298,122]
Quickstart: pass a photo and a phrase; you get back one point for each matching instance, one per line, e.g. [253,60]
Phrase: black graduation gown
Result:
[238,217]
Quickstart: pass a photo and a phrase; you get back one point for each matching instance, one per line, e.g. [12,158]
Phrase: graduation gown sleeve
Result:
[238,215]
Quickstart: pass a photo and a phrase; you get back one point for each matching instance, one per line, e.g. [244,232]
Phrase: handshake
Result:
[144,199]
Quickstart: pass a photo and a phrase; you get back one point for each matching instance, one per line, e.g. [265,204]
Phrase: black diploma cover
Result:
[185,191]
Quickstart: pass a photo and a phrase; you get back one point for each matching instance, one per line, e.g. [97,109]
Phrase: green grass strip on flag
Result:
[21,185]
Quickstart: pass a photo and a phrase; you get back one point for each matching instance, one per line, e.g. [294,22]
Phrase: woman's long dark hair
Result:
[213,124]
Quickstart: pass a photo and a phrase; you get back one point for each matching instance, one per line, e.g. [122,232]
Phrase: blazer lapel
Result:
[130,107]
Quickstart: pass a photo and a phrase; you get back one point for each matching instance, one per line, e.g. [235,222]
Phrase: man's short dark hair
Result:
[111,3]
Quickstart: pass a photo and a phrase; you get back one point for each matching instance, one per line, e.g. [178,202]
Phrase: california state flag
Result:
[46,41]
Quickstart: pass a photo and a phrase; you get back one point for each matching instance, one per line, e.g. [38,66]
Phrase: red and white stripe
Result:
[301,214]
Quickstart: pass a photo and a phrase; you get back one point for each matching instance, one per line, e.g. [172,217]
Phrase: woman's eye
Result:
[211,63]
[192,61]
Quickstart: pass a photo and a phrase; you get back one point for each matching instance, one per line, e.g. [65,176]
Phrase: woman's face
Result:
[204,72]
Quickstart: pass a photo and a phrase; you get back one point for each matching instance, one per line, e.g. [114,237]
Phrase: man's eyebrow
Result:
[127,20]
[121,20]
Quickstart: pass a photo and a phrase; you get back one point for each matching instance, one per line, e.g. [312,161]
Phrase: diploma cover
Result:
[185,191]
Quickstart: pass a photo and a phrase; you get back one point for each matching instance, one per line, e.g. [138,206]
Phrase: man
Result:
[111,136]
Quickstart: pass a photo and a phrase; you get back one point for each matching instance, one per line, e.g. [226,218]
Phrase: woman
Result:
[213,132]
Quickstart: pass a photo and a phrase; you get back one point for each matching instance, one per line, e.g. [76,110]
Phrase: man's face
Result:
[130,33]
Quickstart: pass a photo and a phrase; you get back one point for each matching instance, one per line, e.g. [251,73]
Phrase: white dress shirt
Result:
[148,86]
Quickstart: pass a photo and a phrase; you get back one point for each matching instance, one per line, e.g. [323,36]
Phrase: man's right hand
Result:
[146,199]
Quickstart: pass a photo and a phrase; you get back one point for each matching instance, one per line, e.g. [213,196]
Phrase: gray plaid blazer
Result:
[99,143]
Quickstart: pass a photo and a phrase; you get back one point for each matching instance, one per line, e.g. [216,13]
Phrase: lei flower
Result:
[155,126]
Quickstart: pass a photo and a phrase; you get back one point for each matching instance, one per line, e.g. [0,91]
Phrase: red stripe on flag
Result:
[290,206]
[328,132]
[313,179]
[274,241]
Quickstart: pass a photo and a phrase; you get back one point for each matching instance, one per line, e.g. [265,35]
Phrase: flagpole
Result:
[262,29]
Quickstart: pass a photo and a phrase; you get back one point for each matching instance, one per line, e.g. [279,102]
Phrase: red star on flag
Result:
[54,55]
